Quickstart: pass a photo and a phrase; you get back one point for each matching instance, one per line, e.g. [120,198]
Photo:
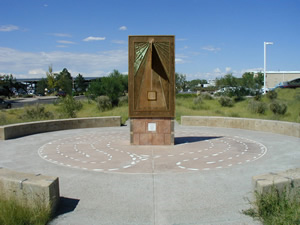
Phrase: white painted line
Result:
[210,162]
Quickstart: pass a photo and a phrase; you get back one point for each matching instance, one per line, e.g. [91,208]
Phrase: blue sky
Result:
[213,37]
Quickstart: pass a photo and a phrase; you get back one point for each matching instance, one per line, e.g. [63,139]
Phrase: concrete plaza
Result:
[204,178]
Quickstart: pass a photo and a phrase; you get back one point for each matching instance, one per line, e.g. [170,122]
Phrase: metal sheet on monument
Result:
[151,76]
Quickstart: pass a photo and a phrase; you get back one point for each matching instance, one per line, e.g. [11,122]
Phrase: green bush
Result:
[206,96]
[36,112]
[272,95]
[278,107]
[198,100]
[257,106]
[69,106]
[275,207]
[103,103]
[123,100]
[226,101]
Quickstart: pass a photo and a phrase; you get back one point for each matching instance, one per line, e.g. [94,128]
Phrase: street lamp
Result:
[265,62]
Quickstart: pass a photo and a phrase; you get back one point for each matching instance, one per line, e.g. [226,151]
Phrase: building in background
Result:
[275,77]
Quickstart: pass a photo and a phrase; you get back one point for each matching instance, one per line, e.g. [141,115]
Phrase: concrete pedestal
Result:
[152,131]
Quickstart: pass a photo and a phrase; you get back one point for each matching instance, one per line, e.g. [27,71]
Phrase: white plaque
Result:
[151,126]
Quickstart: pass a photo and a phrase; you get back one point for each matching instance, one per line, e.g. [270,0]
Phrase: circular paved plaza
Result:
[203,179]
[104,151]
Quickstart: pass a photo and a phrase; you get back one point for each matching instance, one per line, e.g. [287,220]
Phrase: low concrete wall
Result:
[23,129]
[284,181]
[29,188]
[279,127]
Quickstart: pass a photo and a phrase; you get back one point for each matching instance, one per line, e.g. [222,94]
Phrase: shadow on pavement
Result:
[66,205]
[183,140]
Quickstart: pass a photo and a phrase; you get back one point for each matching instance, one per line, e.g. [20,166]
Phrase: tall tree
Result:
[180,82]
[64,81]
[41,86]
[80,84]
[51,80]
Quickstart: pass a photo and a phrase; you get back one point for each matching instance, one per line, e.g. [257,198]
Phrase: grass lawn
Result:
[184,107]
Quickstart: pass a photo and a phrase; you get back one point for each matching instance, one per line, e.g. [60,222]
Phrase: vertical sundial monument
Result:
[151,89]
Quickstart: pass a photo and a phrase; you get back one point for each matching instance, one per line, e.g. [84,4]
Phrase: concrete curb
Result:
[284,181]
[23,129]
[29,188]
[272,126]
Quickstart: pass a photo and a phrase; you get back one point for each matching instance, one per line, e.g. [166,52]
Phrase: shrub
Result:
[257,107]
[198,100]
[123,100]
[36,112]
[275,207]
[272,95]
[257,96]
[226,101]
[69,106]
[279,108]
[206,96]
[103,103]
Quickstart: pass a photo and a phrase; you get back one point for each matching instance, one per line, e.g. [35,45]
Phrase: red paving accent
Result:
[111,152]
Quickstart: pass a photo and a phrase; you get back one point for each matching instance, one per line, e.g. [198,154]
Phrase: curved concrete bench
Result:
[273,126]
[23,129]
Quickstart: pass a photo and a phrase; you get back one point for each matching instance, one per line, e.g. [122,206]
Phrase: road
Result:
[19,103]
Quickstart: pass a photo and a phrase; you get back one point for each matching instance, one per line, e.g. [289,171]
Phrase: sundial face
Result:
[151,76]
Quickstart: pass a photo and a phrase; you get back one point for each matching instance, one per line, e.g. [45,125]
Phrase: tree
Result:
[180,82]
[79,84]
[248,80]
[41,85]
[51,81]
[64,81]
[259,80]
[113,86]
[227,81]
[8,83]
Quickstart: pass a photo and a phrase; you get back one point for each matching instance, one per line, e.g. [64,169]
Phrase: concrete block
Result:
[283,181]
[23,129]
[29,188]
[279,127]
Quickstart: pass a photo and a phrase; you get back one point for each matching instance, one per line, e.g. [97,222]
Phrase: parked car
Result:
[290,84]
[61,94]
[4,104]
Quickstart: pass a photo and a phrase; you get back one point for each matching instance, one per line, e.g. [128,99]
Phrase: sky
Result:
[90,37]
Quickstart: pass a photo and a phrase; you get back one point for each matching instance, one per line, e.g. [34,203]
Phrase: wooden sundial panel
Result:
[151,76]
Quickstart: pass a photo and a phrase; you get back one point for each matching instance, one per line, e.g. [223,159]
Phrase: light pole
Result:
[265,62]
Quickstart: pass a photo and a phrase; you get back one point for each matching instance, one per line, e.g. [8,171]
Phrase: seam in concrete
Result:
[272,126]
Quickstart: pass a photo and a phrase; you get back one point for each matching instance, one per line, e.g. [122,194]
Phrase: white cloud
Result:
[61,35]
[8,28]
[62,46]
[27,64]
[91,38]
[217,70]
[123,28]
[228,69]
[65,42]
[37,72]
[211,48]
[120,42]
[178,61]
